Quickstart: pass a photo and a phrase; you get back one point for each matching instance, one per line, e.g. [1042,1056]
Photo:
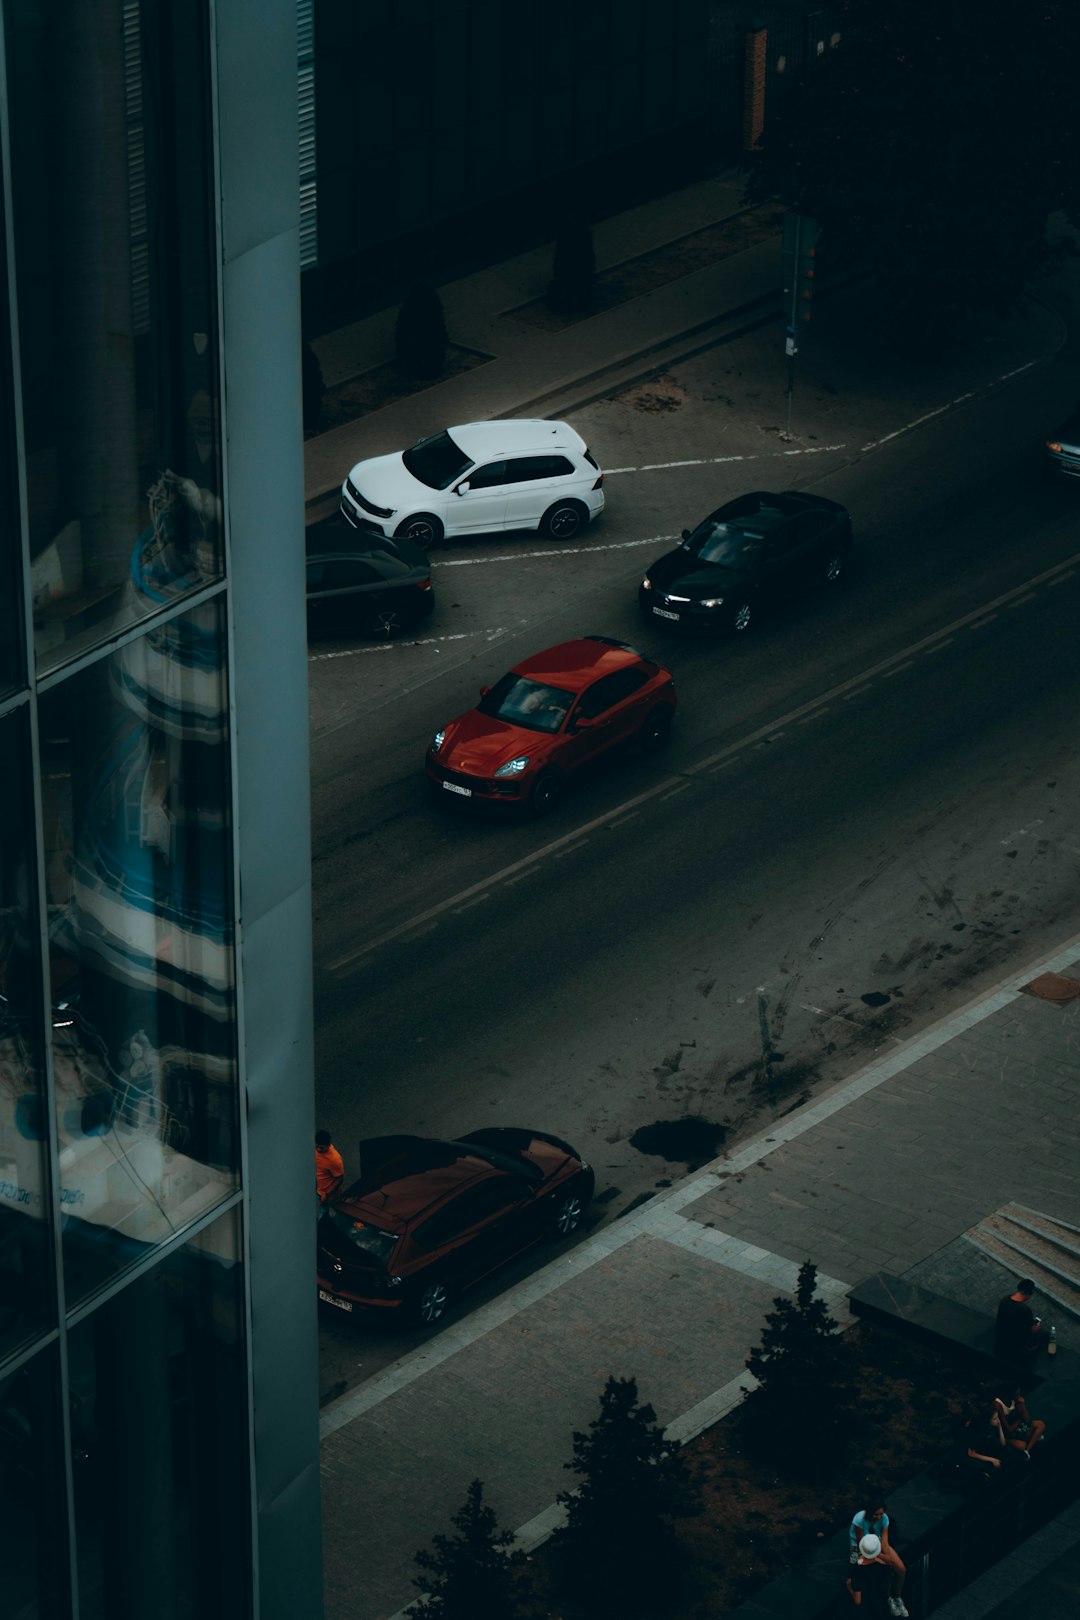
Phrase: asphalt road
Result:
[867,811]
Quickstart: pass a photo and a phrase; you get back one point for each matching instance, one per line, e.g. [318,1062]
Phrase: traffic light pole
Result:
[800,245]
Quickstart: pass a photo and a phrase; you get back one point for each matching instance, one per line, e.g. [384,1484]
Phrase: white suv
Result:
[482,477]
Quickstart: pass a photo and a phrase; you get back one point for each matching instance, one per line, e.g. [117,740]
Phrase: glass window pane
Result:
[12,662]
[158,1373]
[35,1580]
[113,207]
[135,791]
[26,1289]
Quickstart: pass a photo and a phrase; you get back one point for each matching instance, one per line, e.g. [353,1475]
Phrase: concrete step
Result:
[1020,1261]
[1050,1245]
[1061,1233]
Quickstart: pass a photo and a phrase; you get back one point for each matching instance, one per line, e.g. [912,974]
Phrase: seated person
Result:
[874,1522]
[986,1442]
[1022,1431]
[871,1579]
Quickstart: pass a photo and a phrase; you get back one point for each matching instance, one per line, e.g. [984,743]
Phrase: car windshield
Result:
[374,1241]
[437,461]
[728,544]
[527,703]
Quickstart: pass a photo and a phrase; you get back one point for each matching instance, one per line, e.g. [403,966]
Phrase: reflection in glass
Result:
[157,1386]
[111,193]
[25,1244]
[34,1577]
[140,935]
[12,665]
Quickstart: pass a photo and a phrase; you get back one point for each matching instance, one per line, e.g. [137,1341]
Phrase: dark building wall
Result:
[431,112]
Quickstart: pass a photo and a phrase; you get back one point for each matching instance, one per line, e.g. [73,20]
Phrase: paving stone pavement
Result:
[885,1171]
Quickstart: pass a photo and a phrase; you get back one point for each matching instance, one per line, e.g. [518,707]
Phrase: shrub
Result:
[420,334]
[618,1547]
[803,1407]
[469,1576]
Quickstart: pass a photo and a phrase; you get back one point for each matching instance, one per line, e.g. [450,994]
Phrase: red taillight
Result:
[1052,444]
[599,481]
[422,584]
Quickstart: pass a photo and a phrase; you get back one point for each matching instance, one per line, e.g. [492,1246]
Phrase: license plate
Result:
[332,1299]
[455,787]
[664,614]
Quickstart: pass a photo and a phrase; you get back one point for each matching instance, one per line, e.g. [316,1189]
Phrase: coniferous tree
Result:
[420,334]
[469,1576]
[618,1546]
[804,1371]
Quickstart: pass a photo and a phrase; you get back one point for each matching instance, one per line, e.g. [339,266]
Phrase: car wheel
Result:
[423,530]
[742,617]
[834,567]
[429,1305]
[386,622]
[566,1216]
[563,520]
[656,731]
[546,793]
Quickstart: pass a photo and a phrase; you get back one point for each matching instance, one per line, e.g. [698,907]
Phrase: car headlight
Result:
[513,767]
[711,601]
[646,583]
[438,740]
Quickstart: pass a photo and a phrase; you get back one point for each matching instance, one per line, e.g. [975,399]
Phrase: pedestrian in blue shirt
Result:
[873,1522]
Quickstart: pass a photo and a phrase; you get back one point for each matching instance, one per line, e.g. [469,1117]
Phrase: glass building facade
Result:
[143,1461]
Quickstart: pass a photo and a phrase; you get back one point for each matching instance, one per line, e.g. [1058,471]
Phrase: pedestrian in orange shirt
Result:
[329,1167]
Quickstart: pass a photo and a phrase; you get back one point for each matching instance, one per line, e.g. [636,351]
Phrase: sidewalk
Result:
[888,1171]
[531,371]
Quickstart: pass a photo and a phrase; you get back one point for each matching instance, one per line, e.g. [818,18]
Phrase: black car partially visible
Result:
[1062,451]
[363,584]
[755,547]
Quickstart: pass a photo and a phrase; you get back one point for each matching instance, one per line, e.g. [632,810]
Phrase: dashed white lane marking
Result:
[477,900]
[950,405]
[554,550]
[858,692]
[384,646]
[720,461]
[817,714]
[939,646]
[710,763]
[898,670]
[1021,832]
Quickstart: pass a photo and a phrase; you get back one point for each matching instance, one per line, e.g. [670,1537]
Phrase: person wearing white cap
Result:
[878,1569]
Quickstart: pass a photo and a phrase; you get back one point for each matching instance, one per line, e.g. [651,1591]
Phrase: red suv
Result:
[552,714]
[427,1218]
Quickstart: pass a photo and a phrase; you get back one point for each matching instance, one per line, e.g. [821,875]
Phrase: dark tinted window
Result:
[436,461]
[611,689]
[489,476]
[349,574]
[527,703]
[526,469]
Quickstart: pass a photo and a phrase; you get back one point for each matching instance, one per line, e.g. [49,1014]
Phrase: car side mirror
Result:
[484,690]
[463,489]
[686,534]
[583,722]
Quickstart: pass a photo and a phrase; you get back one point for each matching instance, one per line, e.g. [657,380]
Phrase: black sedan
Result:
[359,583]
[1063,450]
[754,548]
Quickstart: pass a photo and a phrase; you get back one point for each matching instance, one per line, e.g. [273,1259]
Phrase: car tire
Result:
[423,529]
[546,793]
[566,1216]
[655,734]
[742,616]
[385,624]
[563,520]
[835,567]
[430,1302]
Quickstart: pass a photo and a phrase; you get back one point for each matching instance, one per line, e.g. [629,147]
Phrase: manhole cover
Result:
[1053,987]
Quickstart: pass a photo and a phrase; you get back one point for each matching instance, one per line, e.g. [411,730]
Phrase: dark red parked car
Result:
[551,715]
[428,1218]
